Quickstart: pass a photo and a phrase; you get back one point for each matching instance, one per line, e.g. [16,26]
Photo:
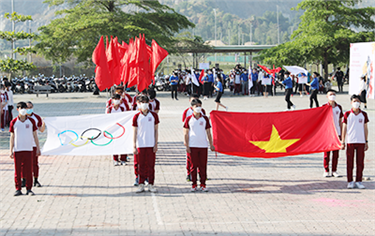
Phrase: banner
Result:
[274,134]
[89,135]
[362,62]
[294,70]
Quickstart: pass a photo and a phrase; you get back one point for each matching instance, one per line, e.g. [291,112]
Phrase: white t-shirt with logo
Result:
[355,132]
[146,128]
[197,130]
[337,116]
[23,134]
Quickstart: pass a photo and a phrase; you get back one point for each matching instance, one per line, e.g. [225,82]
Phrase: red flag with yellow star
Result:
[274,134]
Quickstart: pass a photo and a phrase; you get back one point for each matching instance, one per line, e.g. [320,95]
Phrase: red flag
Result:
[158,55]
[144,78]
[125,63]
[201,77]
[274,134]
[114,61]
[102,77]
[265,69]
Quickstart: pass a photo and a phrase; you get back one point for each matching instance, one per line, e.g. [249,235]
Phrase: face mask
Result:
[198,109]
[332,97]
[116,102]
[29,111]
[356,105]
[22,112]
[285,76]
[143,106]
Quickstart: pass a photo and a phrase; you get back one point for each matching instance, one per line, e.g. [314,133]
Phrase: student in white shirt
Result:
[363,90]
[197,130]
[355,133]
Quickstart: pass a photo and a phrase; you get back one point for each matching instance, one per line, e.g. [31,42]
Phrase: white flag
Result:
[194,78]
[250,79]
[295,70]
[90,135]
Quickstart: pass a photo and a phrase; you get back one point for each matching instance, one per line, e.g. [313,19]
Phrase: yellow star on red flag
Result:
[275,144]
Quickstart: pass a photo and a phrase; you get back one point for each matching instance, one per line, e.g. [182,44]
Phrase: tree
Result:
[326,30]
[12,65]
[77,30]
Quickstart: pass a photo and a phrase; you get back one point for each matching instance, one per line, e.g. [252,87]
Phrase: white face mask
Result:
[356,105]
[285,76]
[198,109]
[332,97]
[22,112]
[143,106]
[116,102]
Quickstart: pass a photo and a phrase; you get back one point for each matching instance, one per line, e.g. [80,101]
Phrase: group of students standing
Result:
[6,104]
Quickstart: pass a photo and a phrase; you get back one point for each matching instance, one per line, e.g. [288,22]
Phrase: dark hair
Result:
[142,98]
[7,84]
[196,102]
[29,102]
[355,96]
[316,73]
[331,90]
[152,94]
[338,68]
[194,95]
[21,105]
[287,73]
[116,96]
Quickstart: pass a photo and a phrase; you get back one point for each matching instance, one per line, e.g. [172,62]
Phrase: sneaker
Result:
[123,163]
[188,179]
[193,188]
[23,183]
[116,163]
[17,193]
[204,188]
[151,188]
[177,99]
[2,130]
[30,193]
[136,183]
[326,174]
[359,185]
[141,188]
[226,108]
[350,185]
[287,110]
[335,174]
[293,107]
[146,182]
[37,184]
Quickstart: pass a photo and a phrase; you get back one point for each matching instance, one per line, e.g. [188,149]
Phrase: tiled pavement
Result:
[282,196]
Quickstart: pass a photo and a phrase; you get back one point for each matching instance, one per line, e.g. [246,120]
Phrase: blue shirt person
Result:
[219,86]
[315,83]
[173,80]
[288,82]
[245,77]
[254,76]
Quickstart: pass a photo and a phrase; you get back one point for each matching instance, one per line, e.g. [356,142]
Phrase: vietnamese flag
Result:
[274,134]
[102,75]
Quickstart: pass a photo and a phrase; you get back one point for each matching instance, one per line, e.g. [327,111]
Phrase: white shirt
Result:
[187,79]
[38,122]
[10,98]
[23,134]
[146,128]
[189,111]
[355,132]
[260,76]
[337,115]
[237,79]
[4,101]
[362,86]
[266,81]
[197,130]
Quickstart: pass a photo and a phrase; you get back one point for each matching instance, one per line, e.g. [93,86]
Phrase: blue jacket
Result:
[210,78]
[245,77]
[254,76]
[315,83]
[288,83]
[220,86]
[174,78]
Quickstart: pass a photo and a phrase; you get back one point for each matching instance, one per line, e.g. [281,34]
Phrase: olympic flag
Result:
[89,135]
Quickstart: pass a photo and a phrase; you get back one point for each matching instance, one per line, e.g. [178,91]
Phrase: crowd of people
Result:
[351,126]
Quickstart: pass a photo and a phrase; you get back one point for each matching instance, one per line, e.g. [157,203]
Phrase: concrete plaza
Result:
[87,195]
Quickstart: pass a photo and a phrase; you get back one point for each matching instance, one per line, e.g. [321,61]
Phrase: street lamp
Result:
[215,33]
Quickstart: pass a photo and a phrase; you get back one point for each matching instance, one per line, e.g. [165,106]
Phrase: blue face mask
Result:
[29,111]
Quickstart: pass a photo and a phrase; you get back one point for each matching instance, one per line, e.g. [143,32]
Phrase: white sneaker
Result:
[152,188]
[335,174]
[359,185]
[123,163]
[293,107]
[141,188]
[287,110]
[226,108]
[351,185]
[116,163]
[301,95]
[326,174]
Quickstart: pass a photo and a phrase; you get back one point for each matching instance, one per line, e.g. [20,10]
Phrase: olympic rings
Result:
[123,132]
[105,133]
[92,138]
[103,144]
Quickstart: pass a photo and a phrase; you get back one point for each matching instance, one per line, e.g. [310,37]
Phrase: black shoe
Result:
[30,193]
[36,183]
[23,184]
[136,183]
[17,193]
[176,98]
[188,179]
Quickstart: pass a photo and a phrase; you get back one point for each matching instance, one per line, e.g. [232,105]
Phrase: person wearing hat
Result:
[288,83]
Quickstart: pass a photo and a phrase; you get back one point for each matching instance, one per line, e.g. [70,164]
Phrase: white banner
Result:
[204,66]
[362,62]
[89,135]
[294,70]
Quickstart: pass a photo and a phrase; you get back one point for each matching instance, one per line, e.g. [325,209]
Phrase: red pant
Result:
[35,165]
[199,161]
[188,163]
[237,88]
[23,160]
[3,118]
[136,166]
[335,158]
[122,157]
[146,165]
[360,158]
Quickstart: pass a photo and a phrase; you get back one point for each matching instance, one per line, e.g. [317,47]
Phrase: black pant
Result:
[260,88]
[288,92]
[340,85]
[188,89]
[211,90]
[206,88]
[174,90]
[313,96]
[252,89]
[10,115]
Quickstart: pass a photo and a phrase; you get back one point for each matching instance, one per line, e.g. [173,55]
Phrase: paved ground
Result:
[89,196]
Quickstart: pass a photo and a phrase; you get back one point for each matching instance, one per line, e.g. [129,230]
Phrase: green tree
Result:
[12,65]
[324,35]
[79,27]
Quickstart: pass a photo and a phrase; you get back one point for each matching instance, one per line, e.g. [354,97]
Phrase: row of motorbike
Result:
[58,85]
